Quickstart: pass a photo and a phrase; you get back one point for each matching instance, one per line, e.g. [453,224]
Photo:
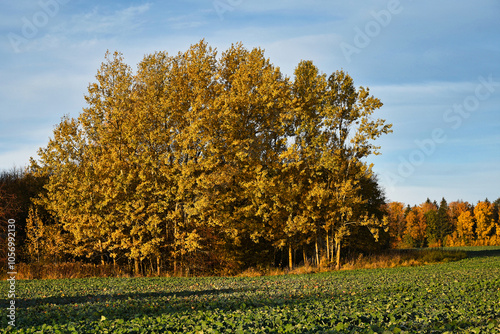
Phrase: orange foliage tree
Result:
[397,222]
[416,227]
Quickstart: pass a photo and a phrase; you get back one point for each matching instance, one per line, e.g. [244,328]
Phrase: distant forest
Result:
[201,163]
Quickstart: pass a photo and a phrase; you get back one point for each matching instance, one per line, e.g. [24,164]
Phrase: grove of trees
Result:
[211,160]
[203,162]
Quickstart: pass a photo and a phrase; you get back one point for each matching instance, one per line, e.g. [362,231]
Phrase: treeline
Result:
[208,162]
[431,224]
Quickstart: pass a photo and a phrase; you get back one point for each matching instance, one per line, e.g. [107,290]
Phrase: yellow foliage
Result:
[483,214]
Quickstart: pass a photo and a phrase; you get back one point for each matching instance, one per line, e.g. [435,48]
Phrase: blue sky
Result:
[434,64]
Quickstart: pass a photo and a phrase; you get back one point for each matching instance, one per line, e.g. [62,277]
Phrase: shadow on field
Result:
[483,252]
[110,298]
[90,308]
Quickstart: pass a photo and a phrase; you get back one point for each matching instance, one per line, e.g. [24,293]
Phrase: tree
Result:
[485,222]
[496,217]
[455,209]
[365,238]
[349,131]
[444,222]
[301,175]
[397,223]
[465,228]
[429,215]
[416,226]
[17,187]
[251,101]
[43,241]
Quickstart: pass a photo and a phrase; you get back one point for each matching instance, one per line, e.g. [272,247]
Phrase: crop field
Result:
[455,297]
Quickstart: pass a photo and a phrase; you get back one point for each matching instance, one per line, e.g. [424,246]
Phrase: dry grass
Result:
[251,272]
[404,258]
[67,270]
[390,259]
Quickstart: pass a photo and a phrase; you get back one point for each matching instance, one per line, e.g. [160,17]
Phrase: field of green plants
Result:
[455,297]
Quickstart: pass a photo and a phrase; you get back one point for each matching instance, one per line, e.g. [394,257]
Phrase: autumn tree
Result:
[44,241]
[333,132]
[465,228]
[397,222]
[429,216]
[350,130]
[248,139]
[485,222]
[416,227]
[455,209]
[302,177]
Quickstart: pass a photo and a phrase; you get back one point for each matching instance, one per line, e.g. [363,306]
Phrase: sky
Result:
[435,65]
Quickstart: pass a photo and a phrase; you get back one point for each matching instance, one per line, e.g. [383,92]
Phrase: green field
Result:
[455,297]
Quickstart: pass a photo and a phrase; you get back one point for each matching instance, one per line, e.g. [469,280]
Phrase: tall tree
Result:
[465,228]
[301,173]
[428,213]
[485,222]
[416,227]
[444,222]
[496,217]
[397,223]
[350,130]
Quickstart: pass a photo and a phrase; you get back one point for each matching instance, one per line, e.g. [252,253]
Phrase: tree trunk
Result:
[317,252]
[136,267]
[158,265]
[100,250]
[332,248]
[304,256]
[290,259]
[337,245]
[327,247]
